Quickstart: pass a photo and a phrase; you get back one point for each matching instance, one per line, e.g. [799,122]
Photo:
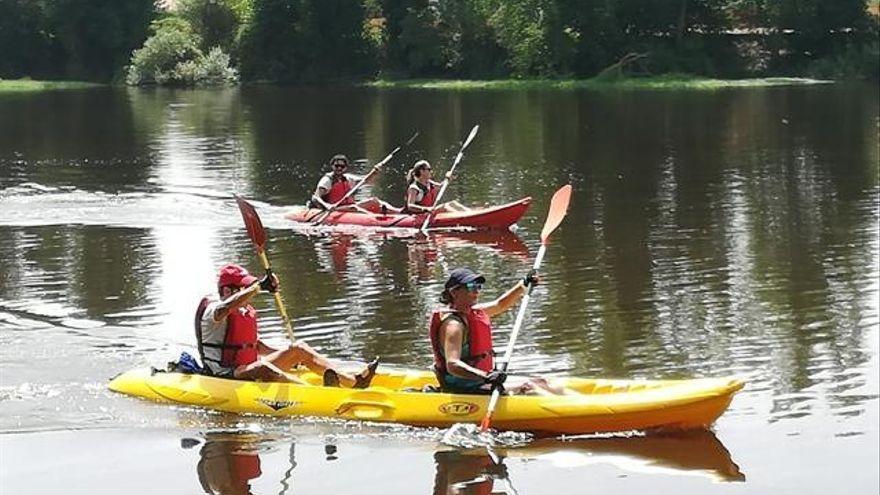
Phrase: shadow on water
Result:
[229,463]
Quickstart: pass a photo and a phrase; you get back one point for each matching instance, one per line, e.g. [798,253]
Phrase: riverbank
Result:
[664,82]
[30,85]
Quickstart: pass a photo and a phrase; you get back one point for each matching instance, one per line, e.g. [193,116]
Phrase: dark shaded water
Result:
[724,233]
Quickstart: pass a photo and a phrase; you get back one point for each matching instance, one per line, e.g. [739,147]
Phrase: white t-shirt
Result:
[214,332]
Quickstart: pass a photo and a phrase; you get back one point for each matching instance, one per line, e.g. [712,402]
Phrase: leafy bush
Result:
[172,57]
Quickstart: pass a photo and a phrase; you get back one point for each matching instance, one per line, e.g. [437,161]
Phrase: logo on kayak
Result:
[458,408]
[277,405]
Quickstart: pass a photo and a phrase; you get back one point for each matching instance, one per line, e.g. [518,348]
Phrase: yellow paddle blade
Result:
[558,209]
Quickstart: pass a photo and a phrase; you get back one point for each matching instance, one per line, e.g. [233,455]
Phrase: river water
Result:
[718,233]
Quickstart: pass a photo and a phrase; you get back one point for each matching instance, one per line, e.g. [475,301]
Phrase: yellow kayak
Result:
[593,405]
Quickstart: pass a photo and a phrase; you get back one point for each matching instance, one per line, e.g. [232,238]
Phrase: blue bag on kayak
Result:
[186,364]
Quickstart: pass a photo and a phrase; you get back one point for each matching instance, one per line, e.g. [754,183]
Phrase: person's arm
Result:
[321,190]
[505,302]
[453,334]
[510,297]
[242,297]
[235,301]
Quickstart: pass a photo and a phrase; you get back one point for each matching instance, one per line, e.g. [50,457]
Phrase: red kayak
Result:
[490,217]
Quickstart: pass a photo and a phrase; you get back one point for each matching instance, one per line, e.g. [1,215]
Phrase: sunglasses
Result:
[473,286]
[340,165]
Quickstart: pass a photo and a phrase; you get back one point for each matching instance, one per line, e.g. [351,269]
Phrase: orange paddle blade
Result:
[558,209]
[253,224]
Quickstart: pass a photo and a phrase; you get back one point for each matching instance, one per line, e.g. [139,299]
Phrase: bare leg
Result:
[302,353]
[537,386]
[376,205]
[456,206]
[264,371]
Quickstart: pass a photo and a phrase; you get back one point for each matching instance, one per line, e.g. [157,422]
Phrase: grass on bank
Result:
[664,82]
[29,85]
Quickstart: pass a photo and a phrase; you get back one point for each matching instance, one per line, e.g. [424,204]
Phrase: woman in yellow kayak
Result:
[421,191]
[461,337]
[229,346]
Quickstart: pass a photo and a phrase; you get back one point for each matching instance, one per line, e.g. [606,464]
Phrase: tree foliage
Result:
[320,40]
[171,56]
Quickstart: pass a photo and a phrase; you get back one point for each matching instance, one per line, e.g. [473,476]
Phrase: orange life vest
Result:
[338,190]
[476,346]
[239,344]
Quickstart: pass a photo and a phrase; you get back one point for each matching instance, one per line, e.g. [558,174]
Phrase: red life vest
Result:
[429,194]
[240,341]
[476,346]
[338,190]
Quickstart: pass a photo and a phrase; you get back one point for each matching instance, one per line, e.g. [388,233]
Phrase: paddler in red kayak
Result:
[335,185]
[461,337]
[226,332]
[421,191]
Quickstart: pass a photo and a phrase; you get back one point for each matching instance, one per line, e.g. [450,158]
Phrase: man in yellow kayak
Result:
[226,333]
[461,337]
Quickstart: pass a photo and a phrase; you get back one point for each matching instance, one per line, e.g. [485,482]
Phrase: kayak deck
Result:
[595,405]
[490,217]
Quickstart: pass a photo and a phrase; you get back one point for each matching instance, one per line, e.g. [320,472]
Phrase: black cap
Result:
[461,276]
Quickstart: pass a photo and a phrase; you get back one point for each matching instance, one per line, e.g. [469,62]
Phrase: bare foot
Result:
[363,379]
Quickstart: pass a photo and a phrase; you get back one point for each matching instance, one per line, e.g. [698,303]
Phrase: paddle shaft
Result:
[278,301]
[257,235]
[558,209]
[445,183]
[517,324]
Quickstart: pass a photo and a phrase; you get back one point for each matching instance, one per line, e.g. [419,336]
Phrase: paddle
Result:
[257,234]
[445,183]
[323,215]
[558,209]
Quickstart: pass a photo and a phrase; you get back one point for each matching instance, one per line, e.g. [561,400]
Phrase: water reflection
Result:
[228,462]
[462,472]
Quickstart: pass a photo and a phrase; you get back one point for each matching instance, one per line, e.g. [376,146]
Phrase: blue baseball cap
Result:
[461,276]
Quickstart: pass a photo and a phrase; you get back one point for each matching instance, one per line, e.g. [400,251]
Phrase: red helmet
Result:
[236,276]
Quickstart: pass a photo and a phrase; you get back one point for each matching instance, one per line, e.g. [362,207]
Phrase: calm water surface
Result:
[710,234]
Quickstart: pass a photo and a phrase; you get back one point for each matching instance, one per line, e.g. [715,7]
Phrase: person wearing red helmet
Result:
[229,345]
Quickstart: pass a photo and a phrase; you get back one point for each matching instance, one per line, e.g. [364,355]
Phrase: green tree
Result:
[214,21]
[97,36]
[304,40]
[531,32]
[26,43]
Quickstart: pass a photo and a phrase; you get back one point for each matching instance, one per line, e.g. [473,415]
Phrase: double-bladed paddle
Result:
[257,234]
[445,183]
[558,209]
[326,213]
